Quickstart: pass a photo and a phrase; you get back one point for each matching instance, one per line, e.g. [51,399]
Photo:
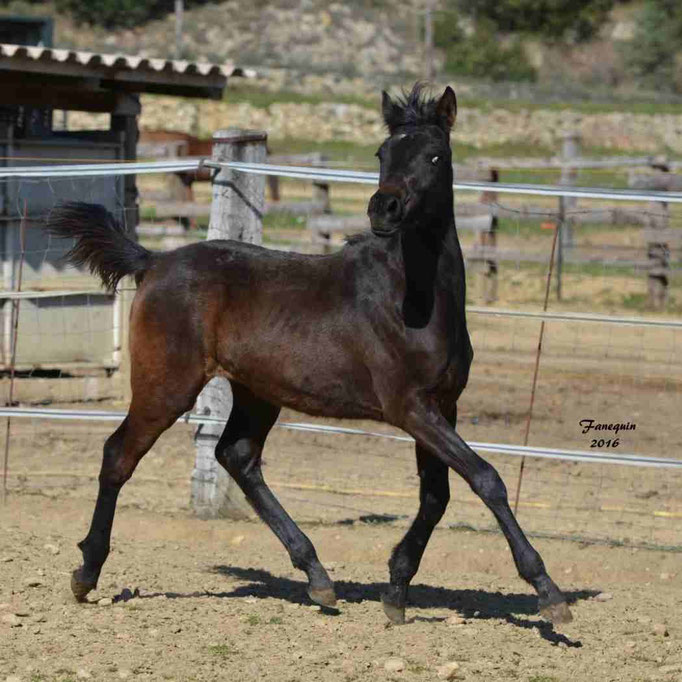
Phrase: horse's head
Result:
[415,177]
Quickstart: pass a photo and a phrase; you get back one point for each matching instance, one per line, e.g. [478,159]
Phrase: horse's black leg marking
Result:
[239,451]
[425,422]
[434,494]
[122,452]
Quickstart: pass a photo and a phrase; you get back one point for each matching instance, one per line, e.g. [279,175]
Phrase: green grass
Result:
[222,650]
[543,678]
[253,619]
[262,99]
[648,104]
[281,220]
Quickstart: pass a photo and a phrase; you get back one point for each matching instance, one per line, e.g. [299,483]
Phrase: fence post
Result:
[658,252]
[237,207]
[570,150]
[488,241]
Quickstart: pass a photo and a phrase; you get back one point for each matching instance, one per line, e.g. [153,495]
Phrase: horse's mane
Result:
[412,109]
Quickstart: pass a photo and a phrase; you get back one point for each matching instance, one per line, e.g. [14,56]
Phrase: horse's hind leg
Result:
[239,451]
[122,452]
[434,495]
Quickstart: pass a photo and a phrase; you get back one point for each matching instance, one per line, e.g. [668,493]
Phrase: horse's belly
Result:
[315,379]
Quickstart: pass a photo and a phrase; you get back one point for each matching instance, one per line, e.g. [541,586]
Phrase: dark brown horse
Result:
[374,331]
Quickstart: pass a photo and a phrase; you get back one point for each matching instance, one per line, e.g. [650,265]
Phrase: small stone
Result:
[667,669]
[630,645]
[603,596]
[126,595]
[455,620]
[12,620]
[665,576]
[448,671]
[22,613]
[237,540]
[6,559]
[660,629]
[52,549]
[105,601]
[124,674]
[83,674]
[394,665]
[13,678]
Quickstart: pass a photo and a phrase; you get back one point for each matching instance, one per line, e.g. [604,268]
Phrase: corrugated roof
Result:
[131,72]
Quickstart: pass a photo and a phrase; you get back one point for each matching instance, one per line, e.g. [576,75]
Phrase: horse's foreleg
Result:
[434,494]
[239,451]
[425,422]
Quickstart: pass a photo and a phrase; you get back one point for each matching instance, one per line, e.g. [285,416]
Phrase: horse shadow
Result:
[471,604]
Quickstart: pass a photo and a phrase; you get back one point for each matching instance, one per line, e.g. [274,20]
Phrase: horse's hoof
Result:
[396,614]
[324,596]
[556,613]
[79,587]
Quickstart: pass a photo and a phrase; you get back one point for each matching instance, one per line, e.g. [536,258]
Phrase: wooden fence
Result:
[481,217]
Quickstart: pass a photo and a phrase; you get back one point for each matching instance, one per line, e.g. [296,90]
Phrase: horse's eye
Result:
[435,160]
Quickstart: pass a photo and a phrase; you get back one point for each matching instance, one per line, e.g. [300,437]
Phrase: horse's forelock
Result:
[411,109]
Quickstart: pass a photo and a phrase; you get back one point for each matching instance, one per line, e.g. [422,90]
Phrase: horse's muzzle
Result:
[385,210]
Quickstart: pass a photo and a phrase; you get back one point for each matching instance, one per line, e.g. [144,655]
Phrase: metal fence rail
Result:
[565,487]
[322,175]
[502,448]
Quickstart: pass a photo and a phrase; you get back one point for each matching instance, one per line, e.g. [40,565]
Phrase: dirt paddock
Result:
[219,599]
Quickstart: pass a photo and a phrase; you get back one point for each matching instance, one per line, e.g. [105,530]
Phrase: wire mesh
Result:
[596,370]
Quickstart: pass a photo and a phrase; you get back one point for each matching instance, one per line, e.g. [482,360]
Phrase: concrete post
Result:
[237,209]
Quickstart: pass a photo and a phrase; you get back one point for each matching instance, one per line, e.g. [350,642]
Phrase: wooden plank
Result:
[182,209]
[671,236]
[338,223]
[41,391]
[476,223]
[297,207]
[661,182]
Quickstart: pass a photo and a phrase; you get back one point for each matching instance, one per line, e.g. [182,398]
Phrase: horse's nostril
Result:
[393,206]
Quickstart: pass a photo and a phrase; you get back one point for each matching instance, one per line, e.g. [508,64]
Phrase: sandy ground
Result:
[218,599]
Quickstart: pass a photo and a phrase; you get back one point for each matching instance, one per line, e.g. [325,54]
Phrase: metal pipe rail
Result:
[501,448]
[322,175]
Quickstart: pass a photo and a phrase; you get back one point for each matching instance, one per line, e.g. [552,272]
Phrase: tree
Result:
[119,13]
[658,57]
[551,19]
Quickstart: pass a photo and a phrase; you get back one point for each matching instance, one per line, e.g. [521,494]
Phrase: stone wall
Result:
[654,134]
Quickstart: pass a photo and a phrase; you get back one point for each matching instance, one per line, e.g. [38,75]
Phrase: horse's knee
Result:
[488,485]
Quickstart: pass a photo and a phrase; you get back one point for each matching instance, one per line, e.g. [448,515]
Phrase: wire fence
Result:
[597,369]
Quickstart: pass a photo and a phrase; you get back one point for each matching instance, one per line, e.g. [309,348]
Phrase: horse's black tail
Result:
[101,242]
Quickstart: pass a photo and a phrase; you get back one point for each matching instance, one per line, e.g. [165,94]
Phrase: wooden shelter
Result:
[35,82]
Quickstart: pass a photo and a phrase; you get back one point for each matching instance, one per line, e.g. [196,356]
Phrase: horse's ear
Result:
[388,109]
[446,108]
